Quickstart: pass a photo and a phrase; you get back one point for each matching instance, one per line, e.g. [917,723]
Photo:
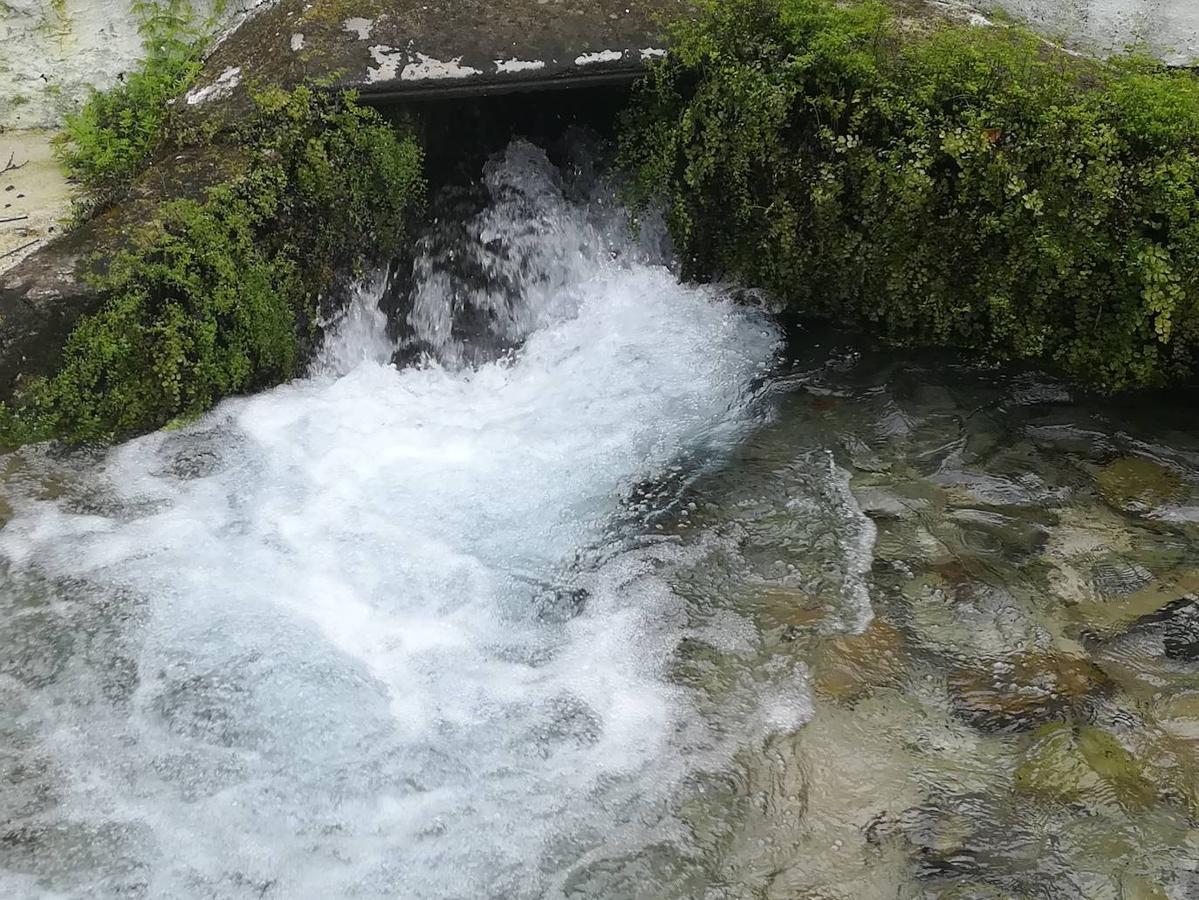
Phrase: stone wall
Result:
[1168,28]
[51,51]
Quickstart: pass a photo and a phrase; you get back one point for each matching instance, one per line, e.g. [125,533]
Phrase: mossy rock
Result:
[1112,615]
[873,174]
[1079,763]
[216,279]
[1025,690]
[1136,887]
[848,667]
[1137,485]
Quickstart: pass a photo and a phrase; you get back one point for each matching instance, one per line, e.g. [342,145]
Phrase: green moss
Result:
[958,186]
[218,296]
[332,13]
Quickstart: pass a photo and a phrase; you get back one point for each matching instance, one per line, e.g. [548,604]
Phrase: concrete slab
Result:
[413,48]
[409,47]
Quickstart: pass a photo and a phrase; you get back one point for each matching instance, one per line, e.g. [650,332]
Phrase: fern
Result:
[107,142]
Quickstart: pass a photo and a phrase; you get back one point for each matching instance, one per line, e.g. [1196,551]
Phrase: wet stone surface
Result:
[1020,717]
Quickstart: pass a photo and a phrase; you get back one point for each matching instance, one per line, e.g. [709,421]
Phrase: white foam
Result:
[354,603]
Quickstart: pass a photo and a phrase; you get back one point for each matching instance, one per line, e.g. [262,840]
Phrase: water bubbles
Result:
[397,635]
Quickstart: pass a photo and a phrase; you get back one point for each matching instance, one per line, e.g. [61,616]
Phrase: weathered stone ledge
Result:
[408,49]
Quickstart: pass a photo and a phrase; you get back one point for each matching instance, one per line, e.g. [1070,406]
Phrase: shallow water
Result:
[614,593]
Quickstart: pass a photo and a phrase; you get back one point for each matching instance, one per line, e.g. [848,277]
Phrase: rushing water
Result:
[578,601]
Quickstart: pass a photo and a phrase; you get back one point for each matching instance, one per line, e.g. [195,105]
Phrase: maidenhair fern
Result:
[963,186]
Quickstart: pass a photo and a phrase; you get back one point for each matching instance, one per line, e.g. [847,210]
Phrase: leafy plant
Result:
[219,297]
[106,142]
[962,186]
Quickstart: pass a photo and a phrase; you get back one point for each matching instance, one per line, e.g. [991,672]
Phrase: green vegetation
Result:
[105,143]
[219,296]
[961,186]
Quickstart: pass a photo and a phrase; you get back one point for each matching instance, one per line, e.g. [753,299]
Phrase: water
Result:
[606,591]
[390,633]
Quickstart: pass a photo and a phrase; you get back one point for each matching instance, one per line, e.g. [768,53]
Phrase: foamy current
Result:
[388,632]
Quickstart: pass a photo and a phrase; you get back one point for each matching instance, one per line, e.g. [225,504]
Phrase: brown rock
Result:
[1137,485]
[790,608]
[1024,690]
[848,667]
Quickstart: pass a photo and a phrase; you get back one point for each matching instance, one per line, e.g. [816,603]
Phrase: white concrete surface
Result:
[52,51]
[1167,28]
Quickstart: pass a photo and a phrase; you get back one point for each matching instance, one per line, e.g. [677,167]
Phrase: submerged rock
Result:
[1133,484]
[955,614]
[1174,624]
[1118,577]
[1135,887]
[1180,624]
[1024,690]
[1178,714]
[1110,572]
[850,666]
[1079,763]
[880,503]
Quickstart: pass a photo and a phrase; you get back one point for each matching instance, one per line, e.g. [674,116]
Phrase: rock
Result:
[406,48]
[879,503]
[1134,887]
[1178,714]
[43,296]
[980,891]
[1118,577]
[1156,601]
[1175,624]
[1180,621]
[1025,690]
[792,608]
[1080,763]
[1137,485]
[848,667]
[963,618]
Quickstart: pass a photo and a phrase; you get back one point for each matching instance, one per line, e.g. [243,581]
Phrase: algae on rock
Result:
[219,295]
[1135,484]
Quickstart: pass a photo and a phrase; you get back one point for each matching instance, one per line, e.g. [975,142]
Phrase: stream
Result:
[583,583]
